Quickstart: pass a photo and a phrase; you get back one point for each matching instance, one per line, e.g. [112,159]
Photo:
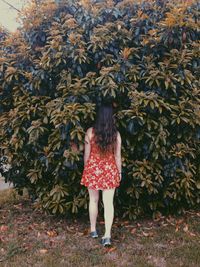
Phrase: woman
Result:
[102,168]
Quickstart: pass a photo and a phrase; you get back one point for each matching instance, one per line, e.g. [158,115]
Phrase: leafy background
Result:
[70,56]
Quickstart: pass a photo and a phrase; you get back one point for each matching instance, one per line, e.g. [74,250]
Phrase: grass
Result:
[28,237]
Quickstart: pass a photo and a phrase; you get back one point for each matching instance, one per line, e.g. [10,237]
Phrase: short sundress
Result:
[100,171]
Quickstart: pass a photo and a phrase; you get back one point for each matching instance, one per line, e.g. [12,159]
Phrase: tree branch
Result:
[11,5]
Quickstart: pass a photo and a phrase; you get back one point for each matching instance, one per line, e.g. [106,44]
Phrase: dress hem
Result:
[101,188]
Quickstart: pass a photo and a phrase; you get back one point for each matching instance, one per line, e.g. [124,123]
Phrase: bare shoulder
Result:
[89,132]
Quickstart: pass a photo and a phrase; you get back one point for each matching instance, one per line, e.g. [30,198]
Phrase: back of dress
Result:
[100,171]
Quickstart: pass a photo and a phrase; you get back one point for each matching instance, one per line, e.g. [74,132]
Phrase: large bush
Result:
[68,57]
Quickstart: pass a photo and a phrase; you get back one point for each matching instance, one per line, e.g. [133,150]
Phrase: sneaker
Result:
[106,241]
[94,234]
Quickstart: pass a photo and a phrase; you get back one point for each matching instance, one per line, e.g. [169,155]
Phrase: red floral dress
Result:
[100,171]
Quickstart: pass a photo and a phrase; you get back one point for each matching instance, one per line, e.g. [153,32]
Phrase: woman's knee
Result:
[94,196]
[94,200]
[108,196]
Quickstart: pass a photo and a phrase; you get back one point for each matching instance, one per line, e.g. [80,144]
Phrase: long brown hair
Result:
[105,130]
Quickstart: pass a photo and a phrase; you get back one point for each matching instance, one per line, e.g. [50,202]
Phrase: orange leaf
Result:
[110,249]
[52,233]
[86,232]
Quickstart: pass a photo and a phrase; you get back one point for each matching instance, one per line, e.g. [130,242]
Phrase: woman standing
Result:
[102,168]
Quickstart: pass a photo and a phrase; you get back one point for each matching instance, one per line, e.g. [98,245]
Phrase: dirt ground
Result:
[28,237]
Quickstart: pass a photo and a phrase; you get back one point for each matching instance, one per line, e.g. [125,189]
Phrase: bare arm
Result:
[118,153]
[87,148]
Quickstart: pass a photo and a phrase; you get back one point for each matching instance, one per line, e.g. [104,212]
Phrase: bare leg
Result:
[93,208]
[108,195]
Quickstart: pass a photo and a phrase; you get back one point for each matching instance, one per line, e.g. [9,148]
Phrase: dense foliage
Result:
[68,57]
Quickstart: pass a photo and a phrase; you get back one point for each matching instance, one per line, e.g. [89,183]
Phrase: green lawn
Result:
[31,238]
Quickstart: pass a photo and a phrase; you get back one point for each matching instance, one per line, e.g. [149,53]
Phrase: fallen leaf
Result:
[165,224]
[1,239]
[133,231]
[43,251]
[111,249]
[185,228]
[151,234]
[170,220]
[52,233]
[191,234]
[30,227]
[178,222]
[177,228]
[70,229]
[126,222]
[80,233]
[86,232]
[147,234]
[18,206]
[3,228]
